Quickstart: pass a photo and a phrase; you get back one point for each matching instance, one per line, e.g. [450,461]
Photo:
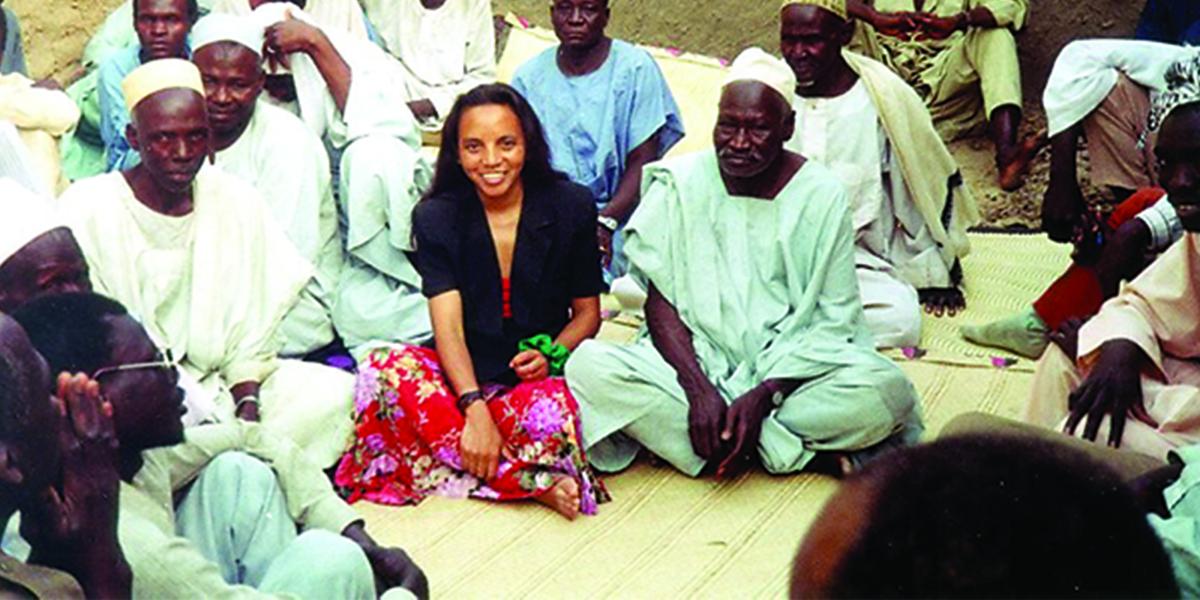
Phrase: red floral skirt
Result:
[408,433]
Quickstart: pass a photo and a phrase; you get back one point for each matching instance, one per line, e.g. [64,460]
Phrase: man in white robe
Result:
[909,207]
[447,48]
[272,149]
[756,347]
[195,254]
[345,92]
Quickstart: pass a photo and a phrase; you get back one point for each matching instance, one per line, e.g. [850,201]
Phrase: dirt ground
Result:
[56,31]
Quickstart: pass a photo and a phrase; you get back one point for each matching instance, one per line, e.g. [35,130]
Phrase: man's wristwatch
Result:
[608,223]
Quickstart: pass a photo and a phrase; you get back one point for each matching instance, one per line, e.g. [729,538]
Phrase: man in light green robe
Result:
[748,256]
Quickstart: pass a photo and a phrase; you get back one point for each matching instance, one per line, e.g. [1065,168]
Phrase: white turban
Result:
[24,216]
[755,64]
[217,27]
[158,75]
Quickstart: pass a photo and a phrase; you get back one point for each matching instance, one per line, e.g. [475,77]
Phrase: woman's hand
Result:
[530,365]
[481,442]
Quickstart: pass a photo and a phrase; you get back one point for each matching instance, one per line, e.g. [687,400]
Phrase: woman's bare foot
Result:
[563,498]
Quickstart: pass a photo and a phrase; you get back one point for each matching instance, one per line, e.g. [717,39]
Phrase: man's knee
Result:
[249,472]
[589,368]
[323,560]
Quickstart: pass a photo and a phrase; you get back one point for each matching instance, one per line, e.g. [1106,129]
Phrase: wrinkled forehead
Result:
[171,109]
[810,20]
[1180,131]
[161,7]
[227,54]
[751,96]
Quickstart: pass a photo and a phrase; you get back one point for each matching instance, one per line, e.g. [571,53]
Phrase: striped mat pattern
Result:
[667,536]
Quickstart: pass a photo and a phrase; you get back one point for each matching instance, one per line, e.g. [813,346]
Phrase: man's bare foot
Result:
[563,498]
[833,464]
[1013,170]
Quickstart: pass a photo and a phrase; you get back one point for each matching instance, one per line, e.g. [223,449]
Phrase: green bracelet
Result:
[556,354]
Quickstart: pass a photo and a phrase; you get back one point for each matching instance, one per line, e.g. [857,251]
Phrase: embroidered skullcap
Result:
[159,75]
[222,27]
[755,64]
[837,7]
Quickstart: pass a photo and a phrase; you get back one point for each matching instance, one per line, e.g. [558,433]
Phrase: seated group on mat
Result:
[257,283]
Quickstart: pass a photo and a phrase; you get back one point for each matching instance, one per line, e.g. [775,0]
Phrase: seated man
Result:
[1118,248]
[983,516]
[961,57]
[61,473]
[162,29]
[38,254]
[272,149]
[1135,383]
[756,344]
[607,112]
[344,90]
[908,205]
[1100,90]
[1170,22]
[447,47]
[220,507]
[12,53]
[198,258]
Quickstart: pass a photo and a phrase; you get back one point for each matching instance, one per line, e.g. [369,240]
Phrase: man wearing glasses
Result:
[252,510]
[58,467]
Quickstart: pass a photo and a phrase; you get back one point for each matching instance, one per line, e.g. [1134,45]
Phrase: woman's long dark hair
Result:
[449,177]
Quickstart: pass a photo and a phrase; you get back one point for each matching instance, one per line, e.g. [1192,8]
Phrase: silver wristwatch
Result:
[608,223]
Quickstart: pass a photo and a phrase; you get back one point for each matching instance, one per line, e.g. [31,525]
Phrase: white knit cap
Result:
[25,216]
[158,75]
[219,27]
[755,64]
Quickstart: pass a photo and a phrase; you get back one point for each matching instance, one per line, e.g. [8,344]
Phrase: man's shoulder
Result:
[815,186]
[92,192]
[119,64]
[631,54]
[542,64]
[283,124]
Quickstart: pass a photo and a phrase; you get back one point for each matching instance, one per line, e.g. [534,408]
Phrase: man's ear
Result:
[131,137]
[789,125]
[847,33]
[10,473]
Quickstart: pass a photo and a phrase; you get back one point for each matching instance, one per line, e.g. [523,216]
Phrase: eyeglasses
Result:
[167,363]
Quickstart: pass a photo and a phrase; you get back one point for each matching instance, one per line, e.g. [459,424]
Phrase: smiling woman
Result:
[506,249]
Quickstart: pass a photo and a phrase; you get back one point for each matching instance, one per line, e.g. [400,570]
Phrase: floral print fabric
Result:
[408,431]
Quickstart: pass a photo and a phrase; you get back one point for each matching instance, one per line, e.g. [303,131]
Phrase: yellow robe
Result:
[962,78]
